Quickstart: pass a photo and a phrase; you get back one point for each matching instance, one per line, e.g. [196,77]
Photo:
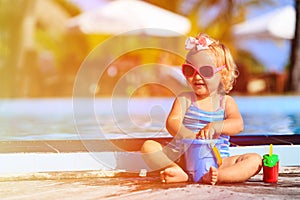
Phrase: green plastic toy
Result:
[270,159]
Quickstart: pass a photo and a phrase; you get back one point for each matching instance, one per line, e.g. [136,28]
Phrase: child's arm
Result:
[174,121]
[231,125]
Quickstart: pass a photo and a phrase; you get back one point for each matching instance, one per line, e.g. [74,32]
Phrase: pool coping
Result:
[111,160]
[122,154]
[126,144]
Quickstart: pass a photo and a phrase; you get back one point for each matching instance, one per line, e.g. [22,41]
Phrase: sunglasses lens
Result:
[188,70]
[206,71]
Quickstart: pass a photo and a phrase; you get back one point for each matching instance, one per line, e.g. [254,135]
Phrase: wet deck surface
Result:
[129,186]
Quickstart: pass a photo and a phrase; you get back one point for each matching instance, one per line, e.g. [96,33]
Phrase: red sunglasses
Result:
[189,70]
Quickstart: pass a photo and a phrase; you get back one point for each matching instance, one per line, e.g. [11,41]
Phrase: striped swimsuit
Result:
[195,119]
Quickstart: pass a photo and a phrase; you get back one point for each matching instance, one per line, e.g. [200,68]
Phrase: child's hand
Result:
[208,132]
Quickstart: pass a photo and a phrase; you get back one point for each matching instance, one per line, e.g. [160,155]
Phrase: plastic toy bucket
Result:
[199,157]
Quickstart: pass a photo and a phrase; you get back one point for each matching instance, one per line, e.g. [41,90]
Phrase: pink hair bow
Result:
[200,43]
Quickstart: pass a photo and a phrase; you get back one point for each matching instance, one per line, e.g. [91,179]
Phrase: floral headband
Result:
[200,43]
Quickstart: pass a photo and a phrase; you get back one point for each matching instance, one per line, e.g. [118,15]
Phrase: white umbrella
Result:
[279,23]
[121,16]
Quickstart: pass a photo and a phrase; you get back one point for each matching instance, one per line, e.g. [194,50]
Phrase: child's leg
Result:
[156,159]
[235,169]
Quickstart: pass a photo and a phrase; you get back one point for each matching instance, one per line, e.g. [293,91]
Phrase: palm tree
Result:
[294,70]
[12,17]
[217,19]
[23,22]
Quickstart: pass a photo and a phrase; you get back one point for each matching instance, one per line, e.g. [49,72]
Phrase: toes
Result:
[162,176]
[169,171]
[211,177]
[213,169]
[170,175]
[214,175]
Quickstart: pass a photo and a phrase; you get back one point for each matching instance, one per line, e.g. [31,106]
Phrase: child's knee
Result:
[257,158]
[252,159]
[150,146]
[256,161]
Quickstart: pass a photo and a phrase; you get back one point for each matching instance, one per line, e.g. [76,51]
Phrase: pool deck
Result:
[116,185]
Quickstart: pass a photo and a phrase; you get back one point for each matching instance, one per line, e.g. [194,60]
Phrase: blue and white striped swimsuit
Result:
[195,119]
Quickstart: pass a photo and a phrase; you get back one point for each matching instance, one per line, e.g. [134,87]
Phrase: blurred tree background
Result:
[39,57]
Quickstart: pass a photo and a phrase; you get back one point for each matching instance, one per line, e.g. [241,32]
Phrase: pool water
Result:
[273,115]
[74,119]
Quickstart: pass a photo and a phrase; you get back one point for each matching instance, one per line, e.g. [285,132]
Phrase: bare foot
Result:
[173,174]
[210,177]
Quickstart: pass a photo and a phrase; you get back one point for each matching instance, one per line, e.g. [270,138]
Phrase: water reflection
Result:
[274,124]
[53,119]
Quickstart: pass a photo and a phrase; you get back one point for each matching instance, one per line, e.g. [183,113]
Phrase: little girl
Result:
[205,113]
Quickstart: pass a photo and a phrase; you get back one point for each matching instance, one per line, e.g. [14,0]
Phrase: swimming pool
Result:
[43,135]
[65,119]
